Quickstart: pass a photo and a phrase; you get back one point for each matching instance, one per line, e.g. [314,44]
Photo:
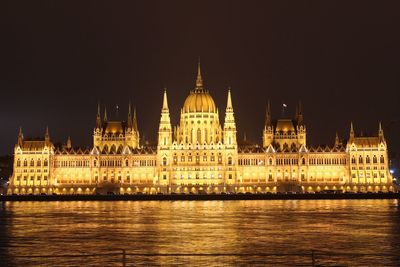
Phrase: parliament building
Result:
[200,155]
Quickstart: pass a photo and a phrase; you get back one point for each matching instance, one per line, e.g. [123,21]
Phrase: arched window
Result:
[375,159]
[32,163]
[18,163]
[39,163]
[230,161]
[164,161]
[353,160]
[367,160]
[360,160]
[95,163]
[303,161]
[270,161]
[382,159]
[46,163]
[126,163]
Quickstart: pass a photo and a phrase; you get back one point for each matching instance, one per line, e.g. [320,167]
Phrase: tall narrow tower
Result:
[300,127]
[165,128]
[268,133]
[229,124]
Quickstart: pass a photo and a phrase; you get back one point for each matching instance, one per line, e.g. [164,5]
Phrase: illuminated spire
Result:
[69,143]
[129,116]
[229,103]
[134,122]
[337,140]
[381,131]
[351,130]
[98,117]
[47,135]
[299,114]
[199,80]
[20,136]
[165,101]
[105,115]
[268,119]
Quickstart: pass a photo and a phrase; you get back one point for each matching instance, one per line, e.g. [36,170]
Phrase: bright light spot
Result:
[391,171]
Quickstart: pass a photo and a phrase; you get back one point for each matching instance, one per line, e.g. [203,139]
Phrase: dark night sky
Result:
[59,58]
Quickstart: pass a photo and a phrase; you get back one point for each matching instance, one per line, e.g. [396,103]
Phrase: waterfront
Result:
[367,227]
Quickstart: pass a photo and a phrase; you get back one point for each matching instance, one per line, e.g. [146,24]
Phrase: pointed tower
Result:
[380,134]
[69,143]
[229,124]
[135,128]
[337,140]
[105,115]
[268,133]
[199,79]
[129,124]
[47,136]
[20,137]
[98,118]
[299,114]
[351,135]
[165,129]
[131,133]
[300,127]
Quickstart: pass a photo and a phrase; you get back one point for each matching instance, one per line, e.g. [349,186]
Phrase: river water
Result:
[340,232]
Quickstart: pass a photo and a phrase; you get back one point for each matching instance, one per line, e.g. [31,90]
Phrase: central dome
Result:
[199,100]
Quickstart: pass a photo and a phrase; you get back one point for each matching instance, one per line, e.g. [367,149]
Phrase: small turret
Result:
[69,143]
[337,140]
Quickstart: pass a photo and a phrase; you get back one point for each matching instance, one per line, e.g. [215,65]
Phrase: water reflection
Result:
[282,226]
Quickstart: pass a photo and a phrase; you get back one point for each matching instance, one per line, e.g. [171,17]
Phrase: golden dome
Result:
[199,101]
[114,127]
[285,125]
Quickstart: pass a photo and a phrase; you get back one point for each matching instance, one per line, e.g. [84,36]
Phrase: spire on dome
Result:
[229,102]
[199,79]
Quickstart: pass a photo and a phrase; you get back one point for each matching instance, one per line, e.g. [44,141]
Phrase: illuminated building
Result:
[200,155]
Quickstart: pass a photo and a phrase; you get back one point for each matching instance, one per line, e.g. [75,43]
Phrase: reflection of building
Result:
[200,155]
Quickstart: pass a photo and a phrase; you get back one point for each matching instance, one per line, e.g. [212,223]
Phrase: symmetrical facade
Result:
[200,155]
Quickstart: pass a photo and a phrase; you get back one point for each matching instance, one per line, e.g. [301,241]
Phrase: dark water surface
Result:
[341,232]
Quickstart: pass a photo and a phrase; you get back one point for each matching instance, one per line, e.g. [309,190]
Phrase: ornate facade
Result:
[200,155]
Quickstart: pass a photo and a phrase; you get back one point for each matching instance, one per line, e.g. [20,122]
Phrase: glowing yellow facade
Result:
[200,156]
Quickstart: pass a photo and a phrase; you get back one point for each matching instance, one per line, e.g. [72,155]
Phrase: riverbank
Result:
[193,197]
